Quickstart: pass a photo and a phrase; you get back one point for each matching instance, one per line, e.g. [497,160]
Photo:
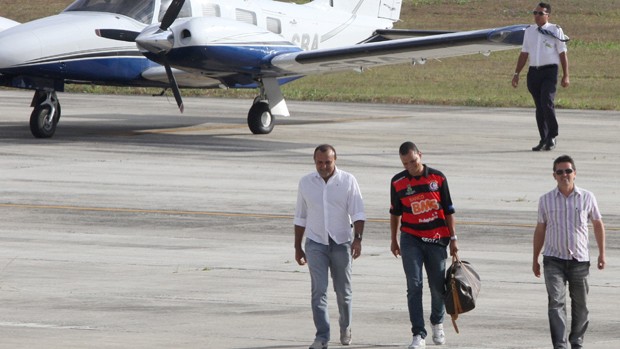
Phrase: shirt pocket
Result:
[582,217]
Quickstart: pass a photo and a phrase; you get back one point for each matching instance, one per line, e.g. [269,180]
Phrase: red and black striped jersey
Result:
[423,202]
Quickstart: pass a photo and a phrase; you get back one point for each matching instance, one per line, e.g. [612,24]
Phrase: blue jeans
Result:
[415,253]
[557,273]
[336,258]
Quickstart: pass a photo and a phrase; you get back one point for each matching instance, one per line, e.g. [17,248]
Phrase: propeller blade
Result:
[117,34]
[174,86]
[171,14]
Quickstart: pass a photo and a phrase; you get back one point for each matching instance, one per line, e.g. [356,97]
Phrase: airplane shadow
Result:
[171,132]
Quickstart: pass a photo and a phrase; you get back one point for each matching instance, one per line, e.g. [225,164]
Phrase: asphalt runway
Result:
[139,227]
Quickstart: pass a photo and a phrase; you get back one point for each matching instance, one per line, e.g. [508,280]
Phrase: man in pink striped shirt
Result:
[562,236]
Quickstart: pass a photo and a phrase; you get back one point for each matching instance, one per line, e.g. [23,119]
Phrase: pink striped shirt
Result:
[566,220]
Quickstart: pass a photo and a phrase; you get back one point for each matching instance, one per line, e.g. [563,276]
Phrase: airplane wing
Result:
[417,49]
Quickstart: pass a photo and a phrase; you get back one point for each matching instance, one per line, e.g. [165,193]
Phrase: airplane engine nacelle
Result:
[212,43]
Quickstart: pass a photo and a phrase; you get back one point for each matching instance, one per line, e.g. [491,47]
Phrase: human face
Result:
[412,162]
[563,178]
[325,163]
[541,19]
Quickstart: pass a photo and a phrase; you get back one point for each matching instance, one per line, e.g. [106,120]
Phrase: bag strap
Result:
[455,296]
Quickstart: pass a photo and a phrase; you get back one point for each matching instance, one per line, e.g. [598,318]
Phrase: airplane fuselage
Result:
[64,48]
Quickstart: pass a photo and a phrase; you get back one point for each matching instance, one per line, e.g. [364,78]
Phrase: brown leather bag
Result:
[462,288]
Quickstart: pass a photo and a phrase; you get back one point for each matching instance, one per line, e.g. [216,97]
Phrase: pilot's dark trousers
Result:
[542,83]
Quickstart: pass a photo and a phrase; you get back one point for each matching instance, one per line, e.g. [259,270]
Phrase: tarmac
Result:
[139,227]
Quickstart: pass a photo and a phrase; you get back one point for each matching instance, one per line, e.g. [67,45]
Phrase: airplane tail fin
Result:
[388,9]
[6,23]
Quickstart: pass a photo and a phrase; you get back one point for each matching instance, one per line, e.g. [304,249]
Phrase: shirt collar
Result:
[424,172]
[317,175]
[576,191]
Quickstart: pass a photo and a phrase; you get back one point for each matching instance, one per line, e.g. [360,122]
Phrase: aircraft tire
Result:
[260,119]
[38,127]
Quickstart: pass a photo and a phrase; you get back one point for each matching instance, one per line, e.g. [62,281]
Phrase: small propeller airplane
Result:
[174,44]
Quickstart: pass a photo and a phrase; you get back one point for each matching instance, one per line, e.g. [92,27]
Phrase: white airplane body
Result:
[6,23]
[216,44]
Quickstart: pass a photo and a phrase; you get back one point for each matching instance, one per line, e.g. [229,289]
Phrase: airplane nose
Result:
[18,48]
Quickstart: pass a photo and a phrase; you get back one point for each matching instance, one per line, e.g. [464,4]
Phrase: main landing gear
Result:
[260,119]
[45,114]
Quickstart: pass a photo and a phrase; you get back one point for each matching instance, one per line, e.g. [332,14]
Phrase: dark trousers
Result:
[542,84]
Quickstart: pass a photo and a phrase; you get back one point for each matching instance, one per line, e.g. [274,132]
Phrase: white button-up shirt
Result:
[543,49]
[327,209]
[566,220]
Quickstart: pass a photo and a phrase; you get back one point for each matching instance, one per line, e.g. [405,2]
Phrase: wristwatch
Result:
[358,236]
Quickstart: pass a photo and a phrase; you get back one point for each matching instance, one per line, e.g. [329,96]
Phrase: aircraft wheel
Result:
[41,124]
[260,119]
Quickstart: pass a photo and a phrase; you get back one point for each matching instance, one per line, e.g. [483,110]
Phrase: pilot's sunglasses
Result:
[561,172]
[539,13]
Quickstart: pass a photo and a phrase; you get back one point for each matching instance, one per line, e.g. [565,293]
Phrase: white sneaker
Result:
[345,337]
[318,345]
[417,342]
[439,337]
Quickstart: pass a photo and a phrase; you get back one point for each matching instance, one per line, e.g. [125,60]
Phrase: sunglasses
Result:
[539,13]
[561,172]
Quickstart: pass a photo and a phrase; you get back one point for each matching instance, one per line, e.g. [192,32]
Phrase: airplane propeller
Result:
[158,42]
[171,14]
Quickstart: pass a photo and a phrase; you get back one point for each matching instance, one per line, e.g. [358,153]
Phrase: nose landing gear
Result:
[45,114]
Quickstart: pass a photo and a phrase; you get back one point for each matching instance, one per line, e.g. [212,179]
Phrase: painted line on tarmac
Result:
[44,326]
[222,214]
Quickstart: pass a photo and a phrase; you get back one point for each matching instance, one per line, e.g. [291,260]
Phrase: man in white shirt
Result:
[328,200]
[562,236]
[545,46]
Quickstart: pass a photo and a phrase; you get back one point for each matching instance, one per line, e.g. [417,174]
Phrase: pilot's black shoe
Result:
[549,144]
[540,145]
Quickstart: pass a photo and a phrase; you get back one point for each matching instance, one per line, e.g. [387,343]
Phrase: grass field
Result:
[594,57]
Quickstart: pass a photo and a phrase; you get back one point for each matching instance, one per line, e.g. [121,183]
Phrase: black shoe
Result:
[549,144]
[540,145]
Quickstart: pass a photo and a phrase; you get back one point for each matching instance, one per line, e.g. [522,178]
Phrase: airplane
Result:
[259,44]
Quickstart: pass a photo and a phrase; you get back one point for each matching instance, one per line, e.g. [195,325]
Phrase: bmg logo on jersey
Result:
[423,206]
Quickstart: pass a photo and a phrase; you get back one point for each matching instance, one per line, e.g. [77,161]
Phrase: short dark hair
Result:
[406,147]
[323,148]
[564,158]
[546,6]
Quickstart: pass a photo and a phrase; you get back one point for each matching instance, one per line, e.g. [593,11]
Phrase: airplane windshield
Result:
[140,10]
[186,10]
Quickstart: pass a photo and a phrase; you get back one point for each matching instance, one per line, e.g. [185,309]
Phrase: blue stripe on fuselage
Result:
[104,69]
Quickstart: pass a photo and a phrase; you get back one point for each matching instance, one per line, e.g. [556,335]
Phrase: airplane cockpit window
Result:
[186,10]
[140,10]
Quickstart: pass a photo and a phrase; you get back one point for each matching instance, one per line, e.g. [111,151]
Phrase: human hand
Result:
[565,81]
[300,256]
[601,262]
[395,249]
[536,269]
[515,81]
[356,248]
[453,248]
